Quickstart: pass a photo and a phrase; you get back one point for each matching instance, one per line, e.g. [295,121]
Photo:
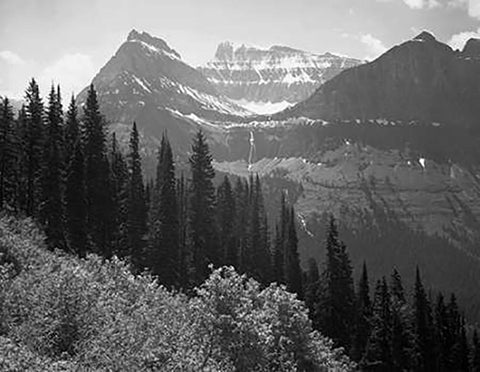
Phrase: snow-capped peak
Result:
[154,44]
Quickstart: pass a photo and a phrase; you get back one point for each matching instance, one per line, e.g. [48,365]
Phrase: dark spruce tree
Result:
[401,335]
[202,226]
[422,328]
[76,204]
[164,254]
[226,212]
[335,309]
[119,190]
[241,223]
[9,151]
[281,237]
[33,146]
[475,353]
[72,129]
[293,273]
[378,353]
[363,316]
[97,176]
[136,206]
[185,270]
[51,208]
[21,137]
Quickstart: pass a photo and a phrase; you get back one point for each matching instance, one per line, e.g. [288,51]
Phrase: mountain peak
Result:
[155,42]
[472,48]
[425,36]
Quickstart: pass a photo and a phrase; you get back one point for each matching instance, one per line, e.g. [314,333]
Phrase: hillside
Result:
[60,313]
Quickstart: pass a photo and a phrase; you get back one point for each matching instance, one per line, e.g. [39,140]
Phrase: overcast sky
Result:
[69,41]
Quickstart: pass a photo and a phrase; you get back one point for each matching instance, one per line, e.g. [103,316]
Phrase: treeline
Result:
[383,330]
[89,196]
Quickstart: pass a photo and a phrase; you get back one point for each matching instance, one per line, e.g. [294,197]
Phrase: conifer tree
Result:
[226,213]
[76,204]
[442,335]
[378,354]
[335,309]
[241,224]
[164,234]
[33,146]
[363,313]
[136,207]
[203,235]
[475,353]
[21,137]
[293,273]
[119,190]
[72,129]
[185,270]
[51,208]
[401,343]
[8,158]
[422,326]
[97,176]
[311,287]
[281,230]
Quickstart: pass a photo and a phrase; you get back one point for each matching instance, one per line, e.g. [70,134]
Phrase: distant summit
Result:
[155,42]
[419,80]
[270,79]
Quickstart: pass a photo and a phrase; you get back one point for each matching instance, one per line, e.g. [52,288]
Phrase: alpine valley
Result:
[391,147]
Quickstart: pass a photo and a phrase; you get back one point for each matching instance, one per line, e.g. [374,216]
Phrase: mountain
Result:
[419,80]
[268,80]
[147,81]
[387,147]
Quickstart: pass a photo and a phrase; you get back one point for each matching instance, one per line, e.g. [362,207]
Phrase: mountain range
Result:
[268,80]
[391,147]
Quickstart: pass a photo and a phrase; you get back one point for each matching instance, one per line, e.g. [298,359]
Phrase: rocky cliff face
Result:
[421,79]
[271,79]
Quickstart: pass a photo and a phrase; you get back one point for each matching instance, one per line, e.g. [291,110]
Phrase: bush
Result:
[64,313]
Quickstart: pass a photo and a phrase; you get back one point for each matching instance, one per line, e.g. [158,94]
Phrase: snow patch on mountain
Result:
[263,108]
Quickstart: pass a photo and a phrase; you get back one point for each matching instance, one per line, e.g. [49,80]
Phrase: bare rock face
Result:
[421,79]
[279,75]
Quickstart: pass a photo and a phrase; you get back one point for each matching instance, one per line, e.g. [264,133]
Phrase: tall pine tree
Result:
[97,176]
[33,138]
[226,212]
[119,177]
[51,208]
[335,309]
[76,203]
[202,225]
[363,313]
[164,235]
[422,326]
[136,206]
[8,158]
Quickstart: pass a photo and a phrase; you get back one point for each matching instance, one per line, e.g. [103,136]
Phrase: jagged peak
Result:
[156,42]
[425,36]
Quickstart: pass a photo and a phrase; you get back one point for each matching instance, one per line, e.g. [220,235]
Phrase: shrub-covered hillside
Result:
[62,313]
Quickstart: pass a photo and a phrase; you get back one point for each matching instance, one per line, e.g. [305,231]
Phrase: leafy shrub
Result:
[64,313]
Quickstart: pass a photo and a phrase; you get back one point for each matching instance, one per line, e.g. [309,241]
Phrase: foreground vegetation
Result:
[63,313]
